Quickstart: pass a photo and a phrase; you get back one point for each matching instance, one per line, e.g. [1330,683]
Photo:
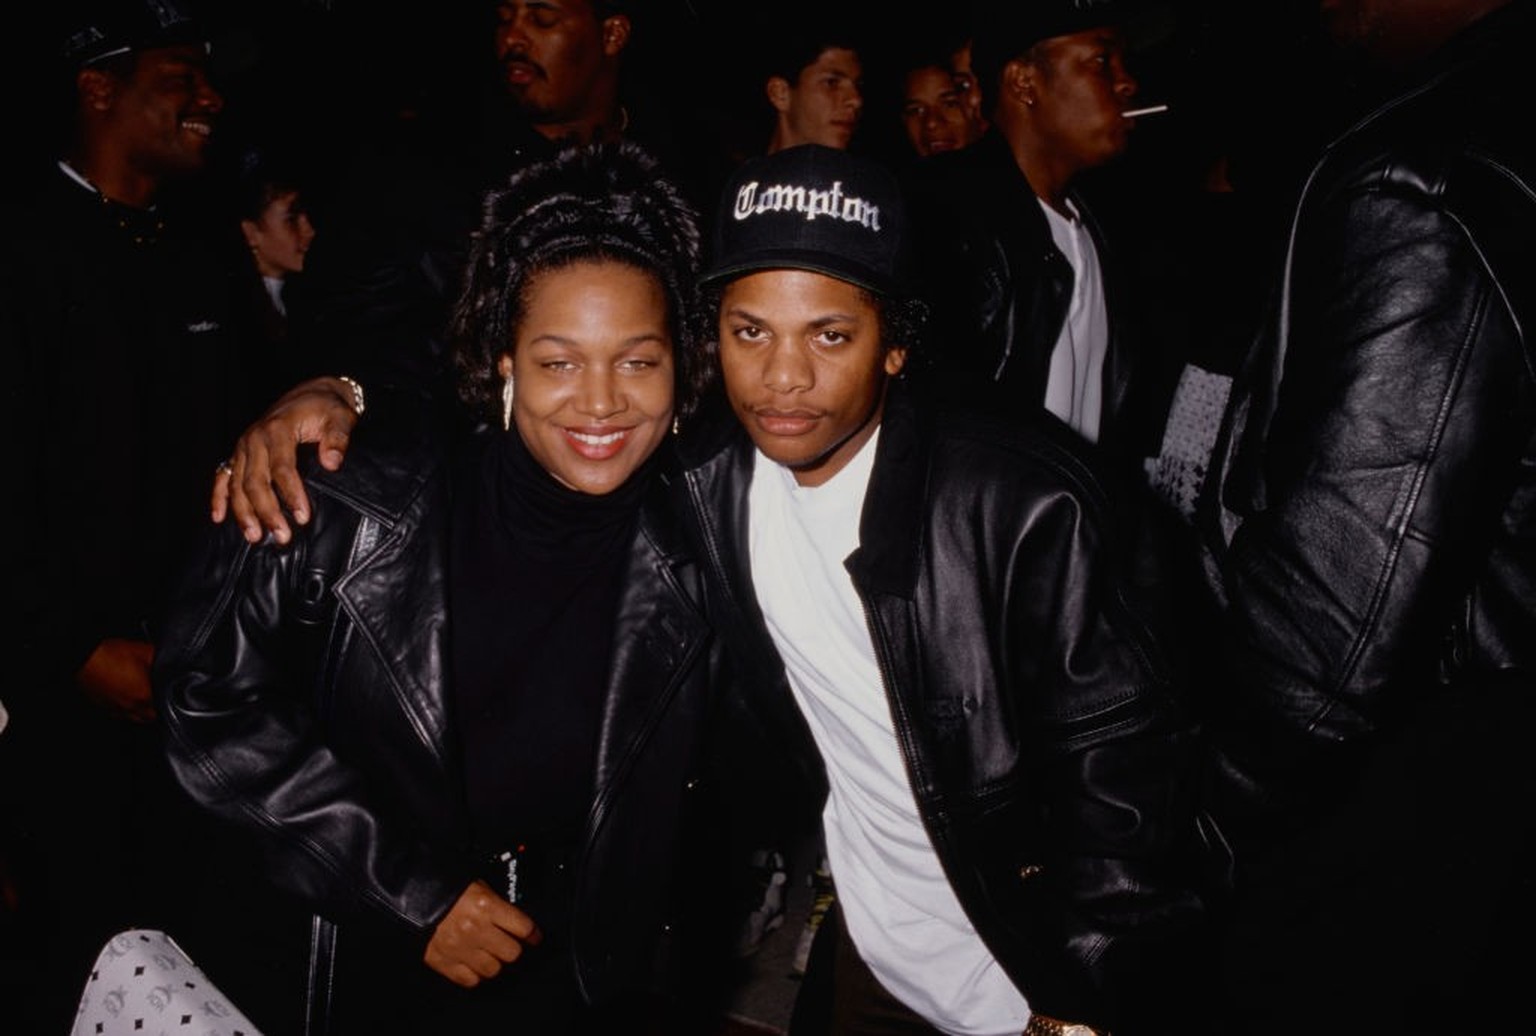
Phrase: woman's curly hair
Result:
[595,202]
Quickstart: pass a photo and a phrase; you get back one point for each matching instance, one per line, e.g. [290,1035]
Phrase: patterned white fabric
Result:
[1194,420]
[143,984]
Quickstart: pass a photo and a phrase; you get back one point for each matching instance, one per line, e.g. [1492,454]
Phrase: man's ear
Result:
[1019,80]
[248,229]
[778,91]
[895,359]
[96,89]
[615,33]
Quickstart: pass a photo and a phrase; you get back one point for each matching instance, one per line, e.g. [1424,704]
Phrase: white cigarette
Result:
[1138,112]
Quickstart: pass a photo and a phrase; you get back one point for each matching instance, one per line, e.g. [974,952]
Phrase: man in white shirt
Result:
[929,599]
[1015,263]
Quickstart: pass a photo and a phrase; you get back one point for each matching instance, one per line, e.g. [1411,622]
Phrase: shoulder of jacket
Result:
[390,462]
[1035,455]
[1447,135]
[1010,438]
[1451,146]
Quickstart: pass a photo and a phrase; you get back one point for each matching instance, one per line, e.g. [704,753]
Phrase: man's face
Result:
[553,55]
[933,112]
[804,367]
[823,104]
[164,110]
[1079,88]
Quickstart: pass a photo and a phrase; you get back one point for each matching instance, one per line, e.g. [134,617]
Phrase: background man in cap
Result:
[111,312]
[939,642]
[1020,273]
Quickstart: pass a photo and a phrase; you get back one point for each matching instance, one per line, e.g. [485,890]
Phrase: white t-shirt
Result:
[896,903]
[1074,390]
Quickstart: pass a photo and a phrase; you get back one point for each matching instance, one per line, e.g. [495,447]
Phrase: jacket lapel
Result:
[659,631]
[891,520]
[395,561]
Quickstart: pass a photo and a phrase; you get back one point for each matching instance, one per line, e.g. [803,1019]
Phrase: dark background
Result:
[326,79]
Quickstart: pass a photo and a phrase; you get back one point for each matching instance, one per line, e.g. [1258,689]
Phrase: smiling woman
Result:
[520,585]
[592,369]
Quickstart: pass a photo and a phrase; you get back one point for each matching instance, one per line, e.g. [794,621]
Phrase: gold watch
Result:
[1040,1025]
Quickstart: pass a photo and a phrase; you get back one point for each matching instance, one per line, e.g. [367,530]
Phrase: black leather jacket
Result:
[1047,758]
[1375,535]
[304,692]
[999,286]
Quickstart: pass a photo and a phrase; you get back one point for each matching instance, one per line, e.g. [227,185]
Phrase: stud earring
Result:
[506,404]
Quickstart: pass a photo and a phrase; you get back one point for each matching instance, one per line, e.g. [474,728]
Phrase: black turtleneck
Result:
[536,571]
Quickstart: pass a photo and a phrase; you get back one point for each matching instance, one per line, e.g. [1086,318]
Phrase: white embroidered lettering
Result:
[753,199]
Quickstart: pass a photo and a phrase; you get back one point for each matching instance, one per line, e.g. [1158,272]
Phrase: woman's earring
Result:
[675,422]
[506,404]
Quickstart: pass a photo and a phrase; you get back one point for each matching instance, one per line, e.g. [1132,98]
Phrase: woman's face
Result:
[280,237]
[592,372]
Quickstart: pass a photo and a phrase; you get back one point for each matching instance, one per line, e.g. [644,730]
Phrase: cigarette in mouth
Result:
[1138,112]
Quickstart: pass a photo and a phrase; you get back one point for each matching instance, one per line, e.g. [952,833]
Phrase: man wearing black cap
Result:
[1019,271]
[939,645]
[939,639]
[114,319]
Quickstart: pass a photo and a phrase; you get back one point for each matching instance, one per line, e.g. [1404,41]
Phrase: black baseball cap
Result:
[96,30]
[1003,31]
[813,208]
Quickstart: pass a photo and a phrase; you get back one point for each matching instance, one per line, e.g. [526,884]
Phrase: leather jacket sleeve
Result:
[1382,444]
[1116,879]
[243,682]
[1049,756]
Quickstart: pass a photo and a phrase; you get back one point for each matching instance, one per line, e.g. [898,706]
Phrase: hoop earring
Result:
[506,404]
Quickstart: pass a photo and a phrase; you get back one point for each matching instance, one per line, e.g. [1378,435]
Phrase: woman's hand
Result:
[261,473]
[481,934]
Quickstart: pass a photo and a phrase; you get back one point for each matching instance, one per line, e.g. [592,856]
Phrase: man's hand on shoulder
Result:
[261,475]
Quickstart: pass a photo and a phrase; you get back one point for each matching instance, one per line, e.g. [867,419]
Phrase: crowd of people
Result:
[1118,569]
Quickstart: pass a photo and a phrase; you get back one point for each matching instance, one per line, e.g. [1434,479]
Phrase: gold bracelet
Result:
[358,404]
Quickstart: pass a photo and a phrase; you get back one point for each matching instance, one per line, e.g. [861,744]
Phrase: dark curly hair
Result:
[589,203]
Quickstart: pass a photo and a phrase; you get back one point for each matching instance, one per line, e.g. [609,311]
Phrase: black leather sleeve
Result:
[242,677]
[1368,506]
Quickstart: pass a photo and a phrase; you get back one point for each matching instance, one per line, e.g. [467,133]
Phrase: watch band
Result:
[358,403]
[1042,1025]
